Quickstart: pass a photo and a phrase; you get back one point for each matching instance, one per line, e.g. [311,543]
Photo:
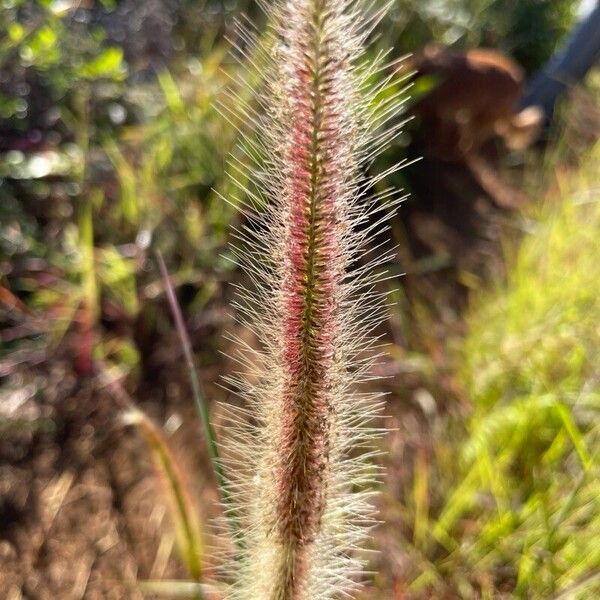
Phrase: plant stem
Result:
[200,403]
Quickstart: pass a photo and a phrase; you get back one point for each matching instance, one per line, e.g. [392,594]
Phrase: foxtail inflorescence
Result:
[305,433]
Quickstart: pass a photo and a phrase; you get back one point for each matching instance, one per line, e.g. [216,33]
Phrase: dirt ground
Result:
[81,512]
[82,515]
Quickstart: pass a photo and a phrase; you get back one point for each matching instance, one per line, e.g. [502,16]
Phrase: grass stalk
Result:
[200,402]
[301,471]
[187,529]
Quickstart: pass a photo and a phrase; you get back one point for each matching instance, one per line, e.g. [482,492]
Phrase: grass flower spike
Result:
[304,434]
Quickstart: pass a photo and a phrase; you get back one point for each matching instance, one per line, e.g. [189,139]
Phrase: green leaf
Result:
[183,514]
[16,32]
[108,65]
[171,92]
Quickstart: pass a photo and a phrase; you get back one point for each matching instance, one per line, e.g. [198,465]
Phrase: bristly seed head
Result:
[313,308]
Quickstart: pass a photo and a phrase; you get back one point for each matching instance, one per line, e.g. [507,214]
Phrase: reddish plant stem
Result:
[313,275]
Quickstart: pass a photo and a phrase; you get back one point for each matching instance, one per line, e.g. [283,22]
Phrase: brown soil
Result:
[81,513]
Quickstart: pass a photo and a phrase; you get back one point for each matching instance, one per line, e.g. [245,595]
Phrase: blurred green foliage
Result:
[528,30]
[514,509]
[47,53]
[106,161]
[108,108]
[532,370]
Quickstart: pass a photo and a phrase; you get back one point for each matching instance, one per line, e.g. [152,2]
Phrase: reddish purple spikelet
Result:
[312,314]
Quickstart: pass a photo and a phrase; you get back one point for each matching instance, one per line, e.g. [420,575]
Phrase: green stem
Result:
[201,406]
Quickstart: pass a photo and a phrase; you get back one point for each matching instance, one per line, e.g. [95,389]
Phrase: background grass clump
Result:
[520,512]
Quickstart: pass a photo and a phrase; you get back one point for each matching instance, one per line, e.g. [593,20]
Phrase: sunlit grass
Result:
[518,510]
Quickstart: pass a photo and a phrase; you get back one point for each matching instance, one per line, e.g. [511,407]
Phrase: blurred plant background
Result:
[112,148]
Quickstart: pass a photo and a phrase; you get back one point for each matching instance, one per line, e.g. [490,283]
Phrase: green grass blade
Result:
[187,530]
[209,432]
